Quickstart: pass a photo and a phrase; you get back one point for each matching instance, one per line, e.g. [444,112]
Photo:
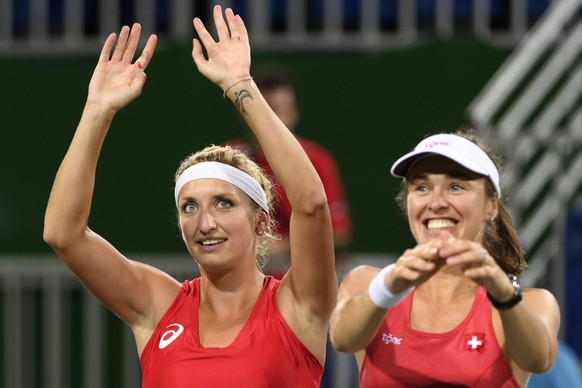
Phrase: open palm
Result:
[117,81]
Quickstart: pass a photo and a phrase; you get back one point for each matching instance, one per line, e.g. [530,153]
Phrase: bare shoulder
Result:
[154,272]
[357,280]
[538,293]
[362,272]
[162,289]
[161,281]
[542,300]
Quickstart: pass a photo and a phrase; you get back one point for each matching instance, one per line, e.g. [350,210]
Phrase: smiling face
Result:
[219,223]
[443,195]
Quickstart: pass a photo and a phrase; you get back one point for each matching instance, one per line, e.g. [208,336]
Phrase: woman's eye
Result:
[225,204]
[421,188]
[456,187]
[189,207]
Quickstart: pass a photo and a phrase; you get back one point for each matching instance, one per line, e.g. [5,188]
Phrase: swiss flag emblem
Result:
[474,342]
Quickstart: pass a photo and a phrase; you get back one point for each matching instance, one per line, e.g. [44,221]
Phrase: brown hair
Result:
[500,237]
[237,159]
[271,76]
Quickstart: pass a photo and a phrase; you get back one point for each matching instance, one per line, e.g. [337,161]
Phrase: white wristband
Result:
[380,295]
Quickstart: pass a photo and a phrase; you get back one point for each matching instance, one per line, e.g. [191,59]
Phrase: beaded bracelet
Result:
[380,294]
[234,84]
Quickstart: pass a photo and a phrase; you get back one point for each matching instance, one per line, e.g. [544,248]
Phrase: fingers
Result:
[221,28]
[229,14]
[231,20]
[241,29]
[464,252]
[477,264]
[131,45]
[423,257]
[419,260]
[231,28]
[121,44]
[127,46]
[472,258]
[107,46]
[147,53]
[203,33]
[236,26]
[415,266]
[197,53]
[483,255]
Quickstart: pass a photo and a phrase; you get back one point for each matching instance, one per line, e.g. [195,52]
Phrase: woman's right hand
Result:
[116,81]
[229,58]
[414,267]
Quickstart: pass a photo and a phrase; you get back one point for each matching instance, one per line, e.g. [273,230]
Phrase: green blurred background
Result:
[368,109]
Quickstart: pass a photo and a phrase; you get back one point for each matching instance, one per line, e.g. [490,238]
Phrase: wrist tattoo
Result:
[239,101]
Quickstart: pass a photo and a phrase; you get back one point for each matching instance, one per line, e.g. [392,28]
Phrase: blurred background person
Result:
[279,88]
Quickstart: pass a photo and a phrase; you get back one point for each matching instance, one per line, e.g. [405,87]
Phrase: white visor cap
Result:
[458,149]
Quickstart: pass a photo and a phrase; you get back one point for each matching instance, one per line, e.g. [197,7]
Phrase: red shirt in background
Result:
[326,167]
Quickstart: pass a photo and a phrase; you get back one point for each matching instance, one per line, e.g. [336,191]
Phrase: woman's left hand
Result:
[229,59]
[477,264]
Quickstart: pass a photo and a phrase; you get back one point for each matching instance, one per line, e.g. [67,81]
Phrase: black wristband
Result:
[515,299]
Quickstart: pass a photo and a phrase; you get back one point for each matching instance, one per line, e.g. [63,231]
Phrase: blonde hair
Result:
[237,159]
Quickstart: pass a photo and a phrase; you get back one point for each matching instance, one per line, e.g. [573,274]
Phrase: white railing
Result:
[531,110]
[56,335]
[274,24]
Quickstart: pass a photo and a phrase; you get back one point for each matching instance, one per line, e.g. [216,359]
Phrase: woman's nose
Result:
[207,222]
[437,201]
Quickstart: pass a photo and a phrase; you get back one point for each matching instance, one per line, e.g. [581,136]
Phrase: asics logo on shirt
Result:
[169,336]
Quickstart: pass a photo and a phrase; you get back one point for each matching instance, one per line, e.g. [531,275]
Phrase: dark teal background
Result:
[367,109]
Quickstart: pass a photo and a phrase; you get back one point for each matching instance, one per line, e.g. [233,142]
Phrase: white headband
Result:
[456,148]
[227,173]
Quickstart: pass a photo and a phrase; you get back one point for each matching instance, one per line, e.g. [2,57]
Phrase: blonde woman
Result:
[233,325]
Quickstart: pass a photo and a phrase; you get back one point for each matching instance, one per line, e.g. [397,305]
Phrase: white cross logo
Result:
[474,342]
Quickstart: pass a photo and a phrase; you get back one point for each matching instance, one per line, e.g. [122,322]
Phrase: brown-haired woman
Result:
[450,311]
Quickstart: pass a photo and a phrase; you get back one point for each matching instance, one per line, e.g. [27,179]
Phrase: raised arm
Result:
[309,289]
[113,279]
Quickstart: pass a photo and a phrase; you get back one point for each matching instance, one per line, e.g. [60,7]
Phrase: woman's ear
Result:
[493,209]
[262,224]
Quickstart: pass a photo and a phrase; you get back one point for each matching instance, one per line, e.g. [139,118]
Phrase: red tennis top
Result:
[265,353]
[467,356]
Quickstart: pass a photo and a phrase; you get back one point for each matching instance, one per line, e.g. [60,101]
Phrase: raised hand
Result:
[229,59]
[117,81]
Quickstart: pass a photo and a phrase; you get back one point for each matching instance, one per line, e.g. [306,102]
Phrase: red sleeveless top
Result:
[265,353]
[467,356]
